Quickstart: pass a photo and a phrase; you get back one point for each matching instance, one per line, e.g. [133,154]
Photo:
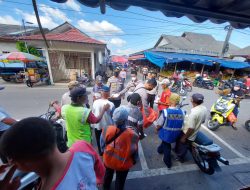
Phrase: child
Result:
[30,144]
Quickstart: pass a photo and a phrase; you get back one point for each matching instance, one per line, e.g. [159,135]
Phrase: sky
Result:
[124,32]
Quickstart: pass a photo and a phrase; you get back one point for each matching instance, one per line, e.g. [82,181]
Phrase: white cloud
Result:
[73,5]
[123,51]
[54,13]
[98,28]
[118,42]
[46,21]
[8,20]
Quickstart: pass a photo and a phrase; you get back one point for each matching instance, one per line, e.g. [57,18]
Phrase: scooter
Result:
[222,113]
[205,153]
[179,88]
[203,83]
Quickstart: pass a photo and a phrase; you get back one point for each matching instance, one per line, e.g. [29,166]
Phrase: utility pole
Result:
[25,35]
[225,47]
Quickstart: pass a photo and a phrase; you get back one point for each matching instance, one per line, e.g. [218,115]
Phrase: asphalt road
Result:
[150,172]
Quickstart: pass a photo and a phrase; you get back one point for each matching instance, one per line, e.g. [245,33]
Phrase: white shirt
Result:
[195,119]
[107,116]
[66,99]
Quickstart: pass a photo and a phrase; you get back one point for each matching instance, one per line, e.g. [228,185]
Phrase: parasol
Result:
[21,56]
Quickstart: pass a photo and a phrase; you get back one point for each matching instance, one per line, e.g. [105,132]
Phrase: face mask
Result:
[133,79]
[236,88]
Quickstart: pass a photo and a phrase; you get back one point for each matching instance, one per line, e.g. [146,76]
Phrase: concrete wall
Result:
[7,47]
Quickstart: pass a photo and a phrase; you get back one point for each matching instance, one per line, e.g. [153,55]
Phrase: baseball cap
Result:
[78,91]
[174,98]
[197,97]
[73,84]
[105,89]
[165,81]
[120,115]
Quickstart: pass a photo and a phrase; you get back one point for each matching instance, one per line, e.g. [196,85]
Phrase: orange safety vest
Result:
[118,155]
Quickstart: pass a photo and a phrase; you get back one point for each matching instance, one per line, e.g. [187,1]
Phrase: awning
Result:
[12,65]
[136,57]
[119,59]
[236,12]
[160,58]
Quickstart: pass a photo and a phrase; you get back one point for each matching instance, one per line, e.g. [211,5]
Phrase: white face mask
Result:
[133,79]
[236,88]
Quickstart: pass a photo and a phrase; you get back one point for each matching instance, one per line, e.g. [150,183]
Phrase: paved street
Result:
[150,172]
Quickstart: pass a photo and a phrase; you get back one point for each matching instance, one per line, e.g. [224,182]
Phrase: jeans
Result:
[97,136]
[119,181]
[117,103]
[151,99]
[165,148]
[236,110]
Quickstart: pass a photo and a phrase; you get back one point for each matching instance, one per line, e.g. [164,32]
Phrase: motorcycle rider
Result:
[236,93]
[192,125]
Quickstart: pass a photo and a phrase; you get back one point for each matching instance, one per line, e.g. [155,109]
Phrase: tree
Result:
[22,48]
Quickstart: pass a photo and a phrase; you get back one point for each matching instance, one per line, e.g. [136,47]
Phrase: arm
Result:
[160,123]
[92,119]
[191,127]
[125,89]
[145,104]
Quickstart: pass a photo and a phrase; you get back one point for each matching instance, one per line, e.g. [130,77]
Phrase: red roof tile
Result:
[72,35]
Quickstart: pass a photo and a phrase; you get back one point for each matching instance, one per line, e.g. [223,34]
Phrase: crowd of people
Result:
[30,144]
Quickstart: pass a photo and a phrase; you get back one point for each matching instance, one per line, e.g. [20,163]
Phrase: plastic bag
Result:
[231,118]
[147,121]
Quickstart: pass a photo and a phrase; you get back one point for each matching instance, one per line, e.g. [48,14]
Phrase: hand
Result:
[106,107]
[183,140]
[7,183]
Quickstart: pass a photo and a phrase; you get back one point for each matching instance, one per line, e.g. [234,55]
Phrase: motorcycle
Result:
[247,125]
[187,85]
[205,153]
[31,180]
[203,83]
[179,88]
[222,113]
[85,80]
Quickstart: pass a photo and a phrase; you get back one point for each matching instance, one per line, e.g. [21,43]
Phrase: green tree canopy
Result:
[32,50]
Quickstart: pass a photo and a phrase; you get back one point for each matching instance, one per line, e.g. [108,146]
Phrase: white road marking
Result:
[223,142]
[143,161]
[179,169]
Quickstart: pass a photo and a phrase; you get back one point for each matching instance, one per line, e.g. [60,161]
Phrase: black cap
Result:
[78,91]
[135,98]
[198,98]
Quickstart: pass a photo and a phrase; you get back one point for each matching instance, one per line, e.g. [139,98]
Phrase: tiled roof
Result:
[73,35]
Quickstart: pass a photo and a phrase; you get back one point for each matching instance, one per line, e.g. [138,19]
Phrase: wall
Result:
[7,46]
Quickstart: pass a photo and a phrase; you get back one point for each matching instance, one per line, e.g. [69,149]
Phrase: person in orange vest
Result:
[163,103]
[120,146]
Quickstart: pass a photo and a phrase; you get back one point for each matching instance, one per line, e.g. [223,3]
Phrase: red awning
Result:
[119,59]
[135,57]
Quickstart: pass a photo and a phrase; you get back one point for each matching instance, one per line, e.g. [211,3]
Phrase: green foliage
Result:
[32,50]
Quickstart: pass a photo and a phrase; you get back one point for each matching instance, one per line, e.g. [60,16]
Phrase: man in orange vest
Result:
[120,149]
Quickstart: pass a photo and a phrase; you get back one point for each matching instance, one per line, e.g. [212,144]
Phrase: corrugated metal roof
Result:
[237,12]
[193,43]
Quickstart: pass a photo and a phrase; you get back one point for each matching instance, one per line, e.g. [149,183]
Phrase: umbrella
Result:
[119,59]
[21,56]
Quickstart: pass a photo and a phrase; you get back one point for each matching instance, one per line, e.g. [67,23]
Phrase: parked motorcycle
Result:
[31,180]
[222,113]
[247,125]
[205,153]
[203,83]
[85,80]
[179,88]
